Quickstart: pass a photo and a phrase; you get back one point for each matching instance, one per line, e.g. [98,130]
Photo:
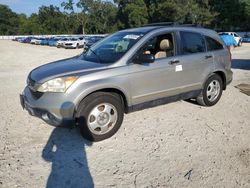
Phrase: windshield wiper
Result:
[99,59]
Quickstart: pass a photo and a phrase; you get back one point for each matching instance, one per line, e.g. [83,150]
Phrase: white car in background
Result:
[61,42]
[75,43]
[237,37]
[34,40]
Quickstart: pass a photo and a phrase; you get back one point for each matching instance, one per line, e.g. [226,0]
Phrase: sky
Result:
[29,6]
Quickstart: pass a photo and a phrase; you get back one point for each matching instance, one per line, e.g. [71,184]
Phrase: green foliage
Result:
[131,13]
[9,21]
[230,13]
[68,6]
[199,12]
[51,20]
[29,25]
[98,16]
[245,20]
[182,11]
[101,17]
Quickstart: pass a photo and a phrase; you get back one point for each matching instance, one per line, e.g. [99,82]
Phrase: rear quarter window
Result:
[213,44]
[192,43]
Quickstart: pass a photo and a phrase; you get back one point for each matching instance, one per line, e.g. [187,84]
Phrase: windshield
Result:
[112,48]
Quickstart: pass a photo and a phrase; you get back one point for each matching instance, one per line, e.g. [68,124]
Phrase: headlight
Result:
[57,84]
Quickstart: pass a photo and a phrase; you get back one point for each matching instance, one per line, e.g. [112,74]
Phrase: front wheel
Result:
[100,115]
[211,92]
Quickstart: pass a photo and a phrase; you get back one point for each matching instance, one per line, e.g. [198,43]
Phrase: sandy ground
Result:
[154,148]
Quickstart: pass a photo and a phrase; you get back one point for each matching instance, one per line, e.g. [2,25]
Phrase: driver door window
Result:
[161,46]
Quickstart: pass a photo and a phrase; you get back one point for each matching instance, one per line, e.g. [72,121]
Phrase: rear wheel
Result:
[211,92]
[100,115]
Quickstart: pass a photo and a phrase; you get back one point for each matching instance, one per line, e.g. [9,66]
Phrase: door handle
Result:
[208,56]
[174,62]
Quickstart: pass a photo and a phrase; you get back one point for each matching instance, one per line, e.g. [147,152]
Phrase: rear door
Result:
[221,57]
[196,62]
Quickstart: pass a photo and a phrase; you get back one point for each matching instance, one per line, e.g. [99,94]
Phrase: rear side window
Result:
[192,43]
[213,44]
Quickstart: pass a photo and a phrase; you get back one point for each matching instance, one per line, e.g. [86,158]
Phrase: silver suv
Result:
[128,71]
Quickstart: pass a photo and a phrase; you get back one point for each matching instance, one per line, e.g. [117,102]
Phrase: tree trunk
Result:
[83,32]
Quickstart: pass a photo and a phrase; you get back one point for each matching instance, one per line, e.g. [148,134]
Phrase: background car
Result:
[38,41]
[53,41]
[236,37]
[91,40]
[246,38]
[33,41]
[75,43]
[228,40]
[20,39]
[60,43]
[27,39]
[45,41]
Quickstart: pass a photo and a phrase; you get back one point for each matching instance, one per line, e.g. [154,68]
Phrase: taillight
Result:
[230,54]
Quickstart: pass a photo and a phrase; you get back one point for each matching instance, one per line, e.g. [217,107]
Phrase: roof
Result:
[140,29]
[154,26]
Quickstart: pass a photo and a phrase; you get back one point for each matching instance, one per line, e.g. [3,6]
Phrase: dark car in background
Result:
[92,40]
[27,40]
[45,41]
[53,41]
[246,37]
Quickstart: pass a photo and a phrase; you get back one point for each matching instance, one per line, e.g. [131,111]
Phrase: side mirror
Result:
[145,58]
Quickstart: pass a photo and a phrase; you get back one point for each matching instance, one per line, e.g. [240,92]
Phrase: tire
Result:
[240,43]
[100,115]
[77,46]
[211,92]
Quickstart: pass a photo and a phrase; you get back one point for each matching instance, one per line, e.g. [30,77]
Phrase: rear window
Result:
[213,44]
[192,43]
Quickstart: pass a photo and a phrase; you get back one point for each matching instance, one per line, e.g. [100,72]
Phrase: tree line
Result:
[96,16]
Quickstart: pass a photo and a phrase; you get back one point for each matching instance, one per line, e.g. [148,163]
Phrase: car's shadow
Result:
[192,101]
[241,64]
[65,149]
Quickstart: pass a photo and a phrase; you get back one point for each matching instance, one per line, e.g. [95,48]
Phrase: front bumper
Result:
[69,46]
[50,107]
[59,45]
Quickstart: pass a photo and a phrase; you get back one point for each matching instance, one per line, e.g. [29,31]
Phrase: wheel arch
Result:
[122,94]
[223,77]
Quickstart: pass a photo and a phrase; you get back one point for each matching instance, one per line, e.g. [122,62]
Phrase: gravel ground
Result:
[176,145]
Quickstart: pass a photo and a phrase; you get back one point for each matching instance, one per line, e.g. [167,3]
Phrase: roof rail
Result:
[190,25]
[162,24]
[171,24]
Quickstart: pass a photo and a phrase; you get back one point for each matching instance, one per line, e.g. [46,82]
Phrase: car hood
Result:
[66,67]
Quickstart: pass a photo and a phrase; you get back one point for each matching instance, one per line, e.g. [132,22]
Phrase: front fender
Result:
[86,89]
